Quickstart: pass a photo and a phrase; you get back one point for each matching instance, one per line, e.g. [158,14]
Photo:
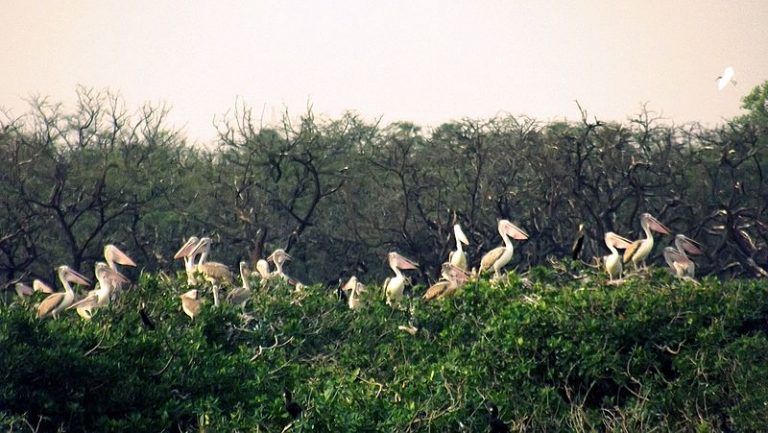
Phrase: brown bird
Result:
[190,303]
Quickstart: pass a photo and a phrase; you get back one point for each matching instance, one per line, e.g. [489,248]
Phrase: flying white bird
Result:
[726,78]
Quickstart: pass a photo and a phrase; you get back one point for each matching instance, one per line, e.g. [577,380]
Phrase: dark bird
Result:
[293,408]
[578,244]
[494,422]
[145,318]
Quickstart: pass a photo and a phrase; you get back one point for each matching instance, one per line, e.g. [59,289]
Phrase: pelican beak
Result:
[690,246]
[402,262]
[75,277]
[657,226]
[617,241]
[114,254]
[187,248]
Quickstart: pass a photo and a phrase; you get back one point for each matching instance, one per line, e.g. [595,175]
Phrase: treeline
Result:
[340,193]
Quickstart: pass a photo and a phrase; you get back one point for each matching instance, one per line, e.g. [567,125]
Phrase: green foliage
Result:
[556,350]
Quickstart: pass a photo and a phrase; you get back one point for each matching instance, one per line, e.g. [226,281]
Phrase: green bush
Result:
[556,351]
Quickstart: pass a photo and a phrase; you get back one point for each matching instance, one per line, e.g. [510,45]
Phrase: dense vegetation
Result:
[339,194]
[556,349]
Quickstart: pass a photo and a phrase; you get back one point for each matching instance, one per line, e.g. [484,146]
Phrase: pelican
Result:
[23,290]
[57,302]
[113,255]
[355,288]
[676,258]
[453,278]
[578,244]
[279,257]
[214,272]
[641,248]
[262,267]
[498,257]
[40,286]
[458,258]
[394,286]
[613,261]
[190,303]
[726,78]
[241,295]
[185,252]
[108,280]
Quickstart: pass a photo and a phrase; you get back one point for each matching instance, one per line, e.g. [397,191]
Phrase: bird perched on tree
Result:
[293,408]
[494,422]
[578,244]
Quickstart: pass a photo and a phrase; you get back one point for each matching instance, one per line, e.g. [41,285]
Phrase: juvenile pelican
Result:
[190,303]
[498,257]
[108,280]
[641,248]
[23,290]
[394,286]
[458,258]
[185,252]
[262,267]
[355,288]
[57,302]
[214,272]
[453,278]
[241,295]
[279,257]
[613,261]
[676,258]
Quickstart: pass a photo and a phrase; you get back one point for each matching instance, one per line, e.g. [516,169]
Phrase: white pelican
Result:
[453,278]
[108,280]
[279,257]
[726,78]
[262,267]
[676,258]
[355,288]
[190,303]
[40,286]
[641,248]
[57,302]
[185,252]
[613,261]
[113,255]
[241,295]
[23,290]
[458,258]
[394,286]
[498,257]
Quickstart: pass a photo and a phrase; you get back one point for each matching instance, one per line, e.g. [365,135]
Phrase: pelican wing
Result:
[435,290]
[631,250]
[90,301]
[239,296]
[215,271]
[49,304]
[490,258]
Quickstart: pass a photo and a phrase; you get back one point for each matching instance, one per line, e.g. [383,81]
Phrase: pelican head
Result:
[400,262]
[114,255]
[279,256]
[70,275]
[187,249]
[511,230]
[647,221]
[460,237]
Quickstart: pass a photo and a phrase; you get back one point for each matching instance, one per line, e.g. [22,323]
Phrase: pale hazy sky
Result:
[422,61]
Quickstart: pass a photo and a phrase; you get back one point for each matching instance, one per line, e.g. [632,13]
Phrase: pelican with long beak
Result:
[190,303]
[241,295]
[453,278]
[613,261]
[279,257]
[113,255]
[393,286]
[108,280]
[458,258]
[57,302]
[214,272]
[681,264]
[498,257]
[641,248]
[185,252]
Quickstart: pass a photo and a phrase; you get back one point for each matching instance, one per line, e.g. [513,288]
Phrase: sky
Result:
[427,62]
